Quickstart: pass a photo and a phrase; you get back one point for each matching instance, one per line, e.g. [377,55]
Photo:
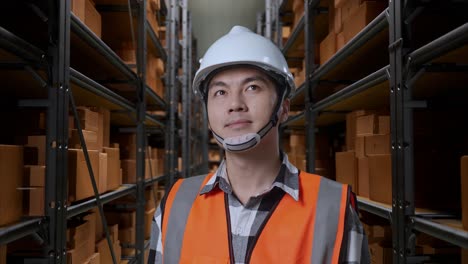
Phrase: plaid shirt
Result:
[247,219]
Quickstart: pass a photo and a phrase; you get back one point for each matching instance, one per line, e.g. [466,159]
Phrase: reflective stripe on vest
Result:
[195,227]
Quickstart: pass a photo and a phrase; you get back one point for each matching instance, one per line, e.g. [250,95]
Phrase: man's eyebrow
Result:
[217,83]
[254,78]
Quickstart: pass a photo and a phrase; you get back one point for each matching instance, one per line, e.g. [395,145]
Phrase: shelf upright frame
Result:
[57,129]
[141,51]
[171,93]
[310,87]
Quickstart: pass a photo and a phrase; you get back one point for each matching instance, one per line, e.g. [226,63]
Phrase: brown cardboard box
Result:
[351,128]
[11,176]
[40,143]
[127,235]
[354,20]
[124,219]
[99,227]
[346,168]
[348,9]
[90,137]
[78,8]
[91,233]
[377,144]
[103,123]
[338,23]
[380,178]
[464,191]
[129,170]
[367,125]
[93,18]
[360,147]
[77,232]
[102,247]
[34,176]
[79,182]
[327,47]
[114,178]
[148,221]
[297,140]
[384,125]
[363,177]
[30,156]
[33,201]
[94,259]
[340,41]
[78,254]
[102,172]
[464,256]
[3,254]
[88,119]
[381,253]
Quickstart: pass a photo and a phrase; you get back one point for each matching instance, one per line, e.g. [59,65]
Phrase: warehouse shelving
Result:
[436,68]
[39,73]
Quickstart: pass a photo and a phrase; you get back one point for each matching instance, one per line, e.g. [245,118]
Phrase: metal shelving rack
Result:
[391,83]
[62,86]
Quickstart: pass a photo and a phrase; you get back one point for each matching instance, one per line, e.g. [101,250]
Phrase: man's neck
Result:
[252,172]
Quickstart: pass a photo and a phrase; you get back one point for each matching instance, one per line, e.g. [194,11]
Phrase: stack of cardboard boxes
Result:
[379,236]
[366,163]
[346,19]
[11,166]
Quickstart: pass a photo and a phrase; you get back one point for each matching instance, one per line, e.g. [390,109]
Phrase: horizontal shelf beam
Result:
[19,47]
[156,42]
[94,87]
[452,235]
[293,119]
[105,198]
[355,88]
[149,182]
[84,32]
[294,35]
[374,208]
[155,96]
[21,229]
[371,30]
[448,42]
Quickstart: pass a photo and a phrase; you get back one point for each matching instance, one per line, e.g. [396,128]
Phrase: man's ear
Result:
[284,110]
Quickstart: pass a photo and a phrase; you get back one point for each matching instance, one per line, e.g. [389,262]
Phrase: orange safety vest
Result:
[195,228]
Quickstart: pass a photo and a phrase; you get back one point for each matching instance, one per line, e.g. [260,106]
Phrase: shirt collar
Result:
[287,179]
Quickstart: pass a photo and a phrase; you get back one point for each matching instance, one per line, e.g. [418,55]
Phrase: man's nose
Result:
[237,103]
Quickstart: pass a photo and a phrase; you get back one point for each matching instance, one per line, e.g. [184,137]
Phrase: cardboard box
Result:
[94,259]
[348,9]
[103,124]
[464,256]
[90,137]
[3,254]
[377,144]
[91,233]
[34,176]
[77,232]
[367,125]
[78,8]
[88,119]
[102,247]
[11,176]
[346,168]
[99,230]
[363,177]
[79,181]
[102,172]
[340,41]
[327,47]
[297,140]
[380,178]
[381,253]
[127,235]
[114,178]
[38,142]
[464,191]
[355,20]
[384,125]
[33,201]
[129,170]
[338,23]
[124,219]
[351,128]
[30,156]
[92,18]
[360,147]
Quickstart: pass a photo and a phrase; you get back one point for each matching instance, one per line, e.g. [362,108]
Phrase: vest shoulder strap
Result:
[179,210]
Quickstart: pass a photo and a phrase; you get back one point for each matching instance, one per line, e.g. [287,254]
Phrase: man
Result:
[257,207]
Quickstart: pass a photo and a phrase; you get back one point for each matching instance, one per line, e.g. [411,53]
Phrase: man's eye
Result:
[219,92]
[252,88]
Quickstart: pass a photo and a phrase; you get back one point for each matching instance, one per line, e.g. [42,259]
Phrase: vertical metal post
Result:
[278,24]
[259,23]
[189,91]
[401,137]
[268,11]
[310,117]
[172,42]
[185,84]
[57,128]
[141,134]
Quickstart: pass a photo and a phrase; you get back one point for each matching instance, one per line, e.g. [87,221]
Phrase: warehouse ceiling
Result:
[212,19]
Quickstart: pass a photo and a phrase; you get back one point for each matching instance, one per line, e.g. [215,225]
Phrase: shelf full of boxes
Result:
[348,113]
[66,58]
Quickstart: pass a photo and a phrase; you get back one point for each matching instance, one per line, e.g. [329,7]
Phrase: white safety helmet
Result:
[243,47]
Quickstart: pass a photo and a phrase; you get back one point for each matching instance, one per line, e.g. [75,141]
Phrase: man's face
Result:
[240,101]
